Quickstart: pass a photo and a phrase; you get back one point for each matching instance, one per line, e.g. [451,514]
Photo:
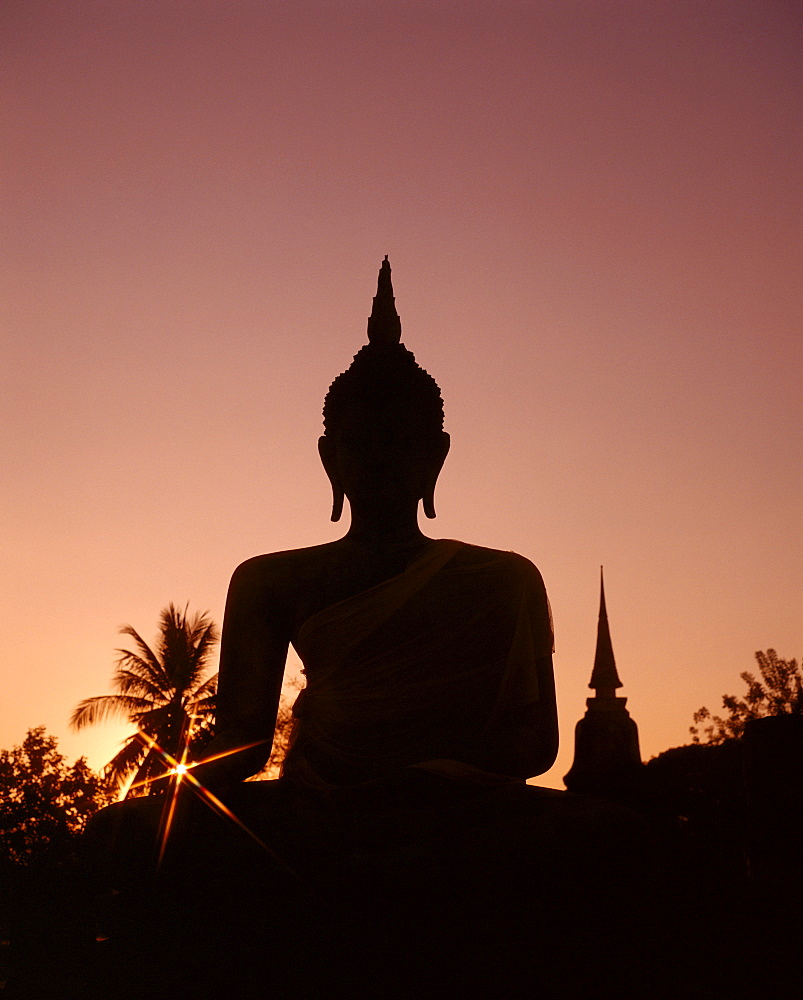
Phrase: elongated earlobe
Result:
[337,503]
[429,490]
[429,502]
[327,453]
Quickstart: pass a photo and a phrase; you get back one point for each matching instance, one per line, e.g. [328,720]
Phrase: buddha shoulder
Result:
[283,572]
[505,562]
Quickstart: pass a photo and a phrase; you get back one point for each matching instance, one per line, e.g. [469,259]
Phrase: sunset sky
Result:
[592,214]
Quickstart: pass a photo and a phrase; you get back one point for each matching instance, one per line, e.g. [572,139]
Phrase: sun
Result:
[182,773]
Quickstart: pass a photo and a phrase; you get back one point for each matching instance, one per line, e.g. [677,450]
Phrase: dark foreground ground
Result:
[711,941]
[701,920]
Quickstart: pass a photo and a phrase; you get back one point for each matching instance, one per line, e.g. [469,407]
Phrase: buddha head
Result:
[383,444]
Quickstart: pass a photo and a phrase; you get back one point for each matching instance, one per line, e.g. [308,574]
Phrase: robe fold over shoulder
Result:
[404,673]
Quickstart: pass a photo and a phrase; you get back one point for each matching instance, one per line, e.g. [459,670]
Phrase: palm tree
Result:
[164,693]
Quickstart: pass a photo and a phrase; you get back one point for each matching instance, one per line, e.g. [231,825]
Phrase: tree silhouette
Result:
[164,692]
[44,802]
[779,692]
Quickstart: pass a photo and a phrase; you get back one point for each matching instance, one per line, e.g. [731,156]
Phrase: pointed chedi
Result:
[604,678]
[607,758]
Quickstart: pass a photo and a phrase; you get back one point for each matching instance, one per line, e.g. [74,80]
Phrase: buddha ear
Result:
[437,464]
[429,501]
[337,504]
[327,452]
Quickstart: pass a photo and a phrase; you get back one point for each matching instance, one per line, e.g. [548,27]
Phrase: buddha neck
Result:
[390,531]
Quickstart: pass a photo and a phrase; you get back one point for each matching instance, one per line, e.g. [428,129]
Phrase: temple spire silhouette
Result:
[604,678]
[606,745]
[384,323]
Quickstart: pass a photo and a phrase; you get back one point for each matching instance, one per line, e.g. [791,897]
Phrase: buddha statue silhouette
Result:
[418,652]
[429,701]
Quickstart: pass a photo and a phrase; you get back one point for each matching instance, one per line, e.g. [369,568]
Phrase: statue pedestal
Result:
[423,889]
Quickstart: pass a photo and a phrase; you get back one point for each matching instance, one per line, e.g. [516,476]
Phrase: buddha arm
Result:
[252,659]
[524,741]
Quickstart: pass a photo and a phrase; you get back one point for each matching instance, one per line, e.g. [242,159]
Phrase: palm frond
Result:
[201,655]
[145,662]
[166,725]
[175,648]
[204,708]
[153,719]
[92,710]
[186,644]
[125,761]
[129,682]
[152,766]
[207,688]
[204,636]
[145,650]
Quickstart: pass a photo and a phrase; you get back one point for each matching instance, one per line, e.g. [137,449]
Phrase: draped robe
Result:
[411,670]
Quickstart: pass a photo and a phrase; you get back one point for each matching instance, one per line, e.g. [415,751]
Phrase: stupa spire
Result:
[607,758]
[384,324]
[604,677]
